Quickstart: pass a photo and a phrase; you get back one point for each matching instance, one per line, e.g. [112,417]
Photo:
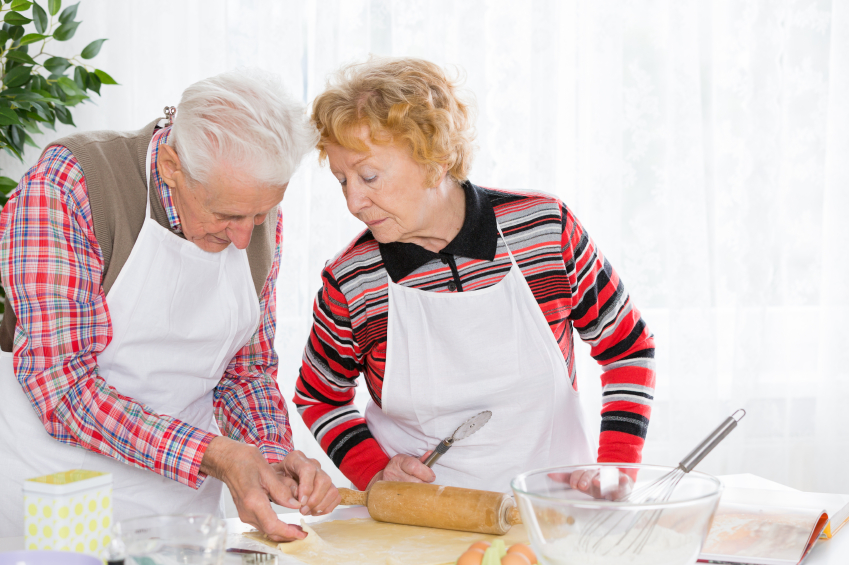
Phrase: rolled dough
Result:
[363,541]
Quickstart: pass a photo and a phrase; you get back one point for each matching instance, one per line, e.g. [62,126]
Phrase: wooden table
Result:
[826,552]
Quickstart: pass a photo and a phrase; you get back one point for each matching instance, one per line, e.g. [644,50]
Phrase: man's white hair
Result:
[245,120]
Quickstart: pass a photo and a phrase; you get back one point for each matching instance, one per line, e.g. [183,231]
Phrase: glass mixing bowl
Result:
[193,539]
[569,527]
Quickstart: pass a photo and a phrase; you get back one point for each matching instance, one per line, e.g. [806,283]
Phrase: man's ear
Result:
[168,164]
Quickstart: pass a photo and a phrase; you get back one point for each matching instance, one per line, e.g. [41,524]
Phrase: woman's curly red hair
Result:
[400,100]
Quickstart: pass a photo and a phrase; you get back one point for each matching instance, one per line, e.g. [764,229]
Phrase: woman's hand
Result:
[589,482]
[407,469]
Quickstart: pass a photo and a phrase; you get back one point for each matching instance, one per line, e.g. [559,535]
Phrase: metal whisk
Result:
[633,540]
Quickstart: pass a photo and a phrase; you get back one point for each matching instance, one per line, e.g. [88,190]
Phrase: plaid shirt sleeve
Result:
[51,267]
[248,404]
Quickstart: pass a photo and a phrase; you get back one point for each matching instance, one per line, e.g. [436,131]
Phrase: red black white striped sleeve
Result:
[605,317]
[324,393]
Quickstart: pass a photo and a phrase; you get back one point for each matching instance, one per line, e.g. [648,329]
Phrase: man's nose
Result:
[240,232]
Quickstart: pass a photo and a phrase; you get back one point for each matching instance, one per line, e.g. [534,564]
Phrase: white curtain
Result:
[703,144]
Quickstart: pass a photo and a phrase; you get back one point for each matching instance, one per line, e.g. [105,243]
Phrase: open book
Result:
[771,527]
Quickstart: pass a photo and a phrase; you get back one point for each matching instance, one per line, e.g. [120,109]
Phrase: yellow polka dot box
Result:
[70,511]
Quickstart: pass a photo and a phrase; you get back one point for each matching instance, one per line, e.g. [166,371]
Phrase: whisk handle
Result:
[694,457]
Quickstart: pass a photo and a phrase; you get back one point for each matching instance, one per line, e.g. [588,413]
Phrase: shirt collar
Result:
[160,137]
[477,239]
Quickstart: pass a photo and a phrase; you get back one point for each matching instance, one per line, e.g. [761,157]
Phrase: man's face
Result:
[222,211]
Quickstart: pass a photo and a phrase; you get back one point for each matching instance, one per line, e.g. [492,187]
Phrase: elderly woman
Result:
[140,271]
[457,299]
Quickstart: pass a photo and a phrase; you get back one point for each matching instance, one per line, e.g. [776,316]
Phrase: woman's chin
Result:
[382,235]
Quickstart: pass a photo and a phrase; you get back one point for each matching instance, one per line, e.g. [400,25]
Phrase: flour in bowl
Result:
[665,547]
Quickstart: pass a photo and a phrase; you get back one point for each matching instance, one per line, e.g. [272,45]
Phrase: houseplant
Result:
[39,87]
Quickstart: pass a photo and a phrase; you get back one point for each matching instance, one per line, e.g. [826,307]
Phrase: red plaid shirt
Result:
[51,267]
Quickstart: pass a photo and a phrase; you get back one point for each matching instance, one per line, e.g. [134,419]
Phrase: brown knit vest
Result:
[113,165]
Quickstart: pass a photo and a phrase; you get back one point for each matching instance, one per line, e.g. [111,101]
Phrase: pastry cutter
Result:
[468,427]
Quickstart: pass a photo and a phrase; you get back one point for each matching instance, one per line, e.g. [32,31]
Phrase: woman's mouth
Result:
[375,222]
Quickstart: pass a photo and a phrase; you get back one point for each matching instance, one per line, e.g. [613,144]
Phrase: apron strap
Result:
[147,166]
[504,239]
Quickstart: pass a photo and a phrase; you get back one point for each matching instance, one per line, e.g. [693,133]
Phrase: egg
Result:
[515,558]
[471,557]
[482,545]
[522,549]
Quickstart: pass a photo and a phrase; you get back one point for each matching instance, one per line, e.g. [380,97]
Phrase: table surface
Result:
[826,552]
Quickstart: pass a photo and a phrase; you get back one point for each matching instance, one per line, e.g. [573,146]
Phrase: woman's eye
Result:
[370,179]
[342,181]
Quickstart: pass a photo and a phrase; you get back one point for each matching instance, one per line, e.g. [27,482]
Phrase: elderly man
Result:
[140,273]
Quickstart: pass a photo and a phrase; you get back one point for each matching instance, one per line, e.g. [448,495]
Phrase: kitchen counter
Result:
[826,552]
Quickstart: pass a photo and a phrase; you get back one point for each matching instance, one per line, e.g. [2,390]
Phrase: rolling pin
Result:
[434,506]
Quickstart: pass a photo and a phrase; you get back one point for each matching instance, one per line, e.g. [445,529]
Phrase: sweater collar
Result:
[477,239]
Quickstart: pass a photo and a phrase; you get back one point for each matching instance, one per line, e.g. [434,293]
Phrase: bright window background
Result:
[704,145]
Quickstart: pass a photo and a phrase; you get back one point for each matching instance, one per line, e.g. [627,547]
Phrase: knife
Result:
[466,429]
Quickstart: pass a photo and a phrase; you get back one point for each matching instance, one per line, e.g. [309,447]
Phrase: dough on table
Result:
[363,541]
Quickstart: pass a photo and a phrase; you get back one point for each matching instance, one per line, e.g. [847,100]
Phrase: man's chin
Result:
[215,246]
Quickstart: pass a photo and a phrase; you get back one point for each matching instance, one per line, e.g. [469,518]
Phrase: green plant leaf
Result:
[56,65]
[66,31]
[64,115]
[29,141]
[21,5]
[93,83]
[68,14]
[30,123]
[18,76]
[20,56]
[70,87]
[104,77]
[92,49]
[39,16]
[4,37]
[16,139]
[32,38]
[7,185]
[16,32]
[16,19]
[53,6]
[80,76]
[8,117]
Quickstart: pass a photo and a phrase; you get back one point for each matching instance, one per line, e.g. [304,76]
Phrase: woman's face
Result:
[385,188]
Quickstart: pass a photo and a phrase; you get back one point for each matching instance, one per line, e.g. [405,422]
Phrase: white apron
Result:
[452,355]
[179,315]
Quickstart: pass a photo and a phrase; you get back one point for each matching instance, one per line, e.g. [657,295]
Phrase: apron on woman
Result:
[450,356]
[179,314]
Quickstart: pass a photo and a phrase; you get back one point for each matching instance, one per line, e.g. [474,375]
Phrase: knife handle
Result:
[440,450]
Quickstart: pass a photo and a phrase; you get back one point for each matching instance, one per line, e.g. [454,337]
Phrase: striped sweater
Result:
[571,280]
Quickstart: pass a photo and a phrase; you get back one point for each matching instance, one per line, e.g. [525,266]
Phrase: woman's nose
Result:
[356,199]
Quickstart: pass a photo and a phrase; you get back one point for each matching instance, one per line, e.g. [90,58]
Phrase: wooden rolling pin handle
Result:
[353,497]
[514,517]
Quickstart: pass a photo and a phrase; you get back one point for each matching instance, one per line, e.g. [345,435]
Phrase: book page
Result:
[762,535]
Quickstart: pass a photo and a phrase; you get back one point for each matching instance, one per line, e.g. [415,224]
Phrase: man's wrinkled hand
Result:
[313,490]
[253,483]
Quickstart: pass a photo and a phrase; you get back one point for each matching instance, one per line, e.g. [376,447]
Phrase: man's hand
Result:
[253,482]
[313,488]
[407,469]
